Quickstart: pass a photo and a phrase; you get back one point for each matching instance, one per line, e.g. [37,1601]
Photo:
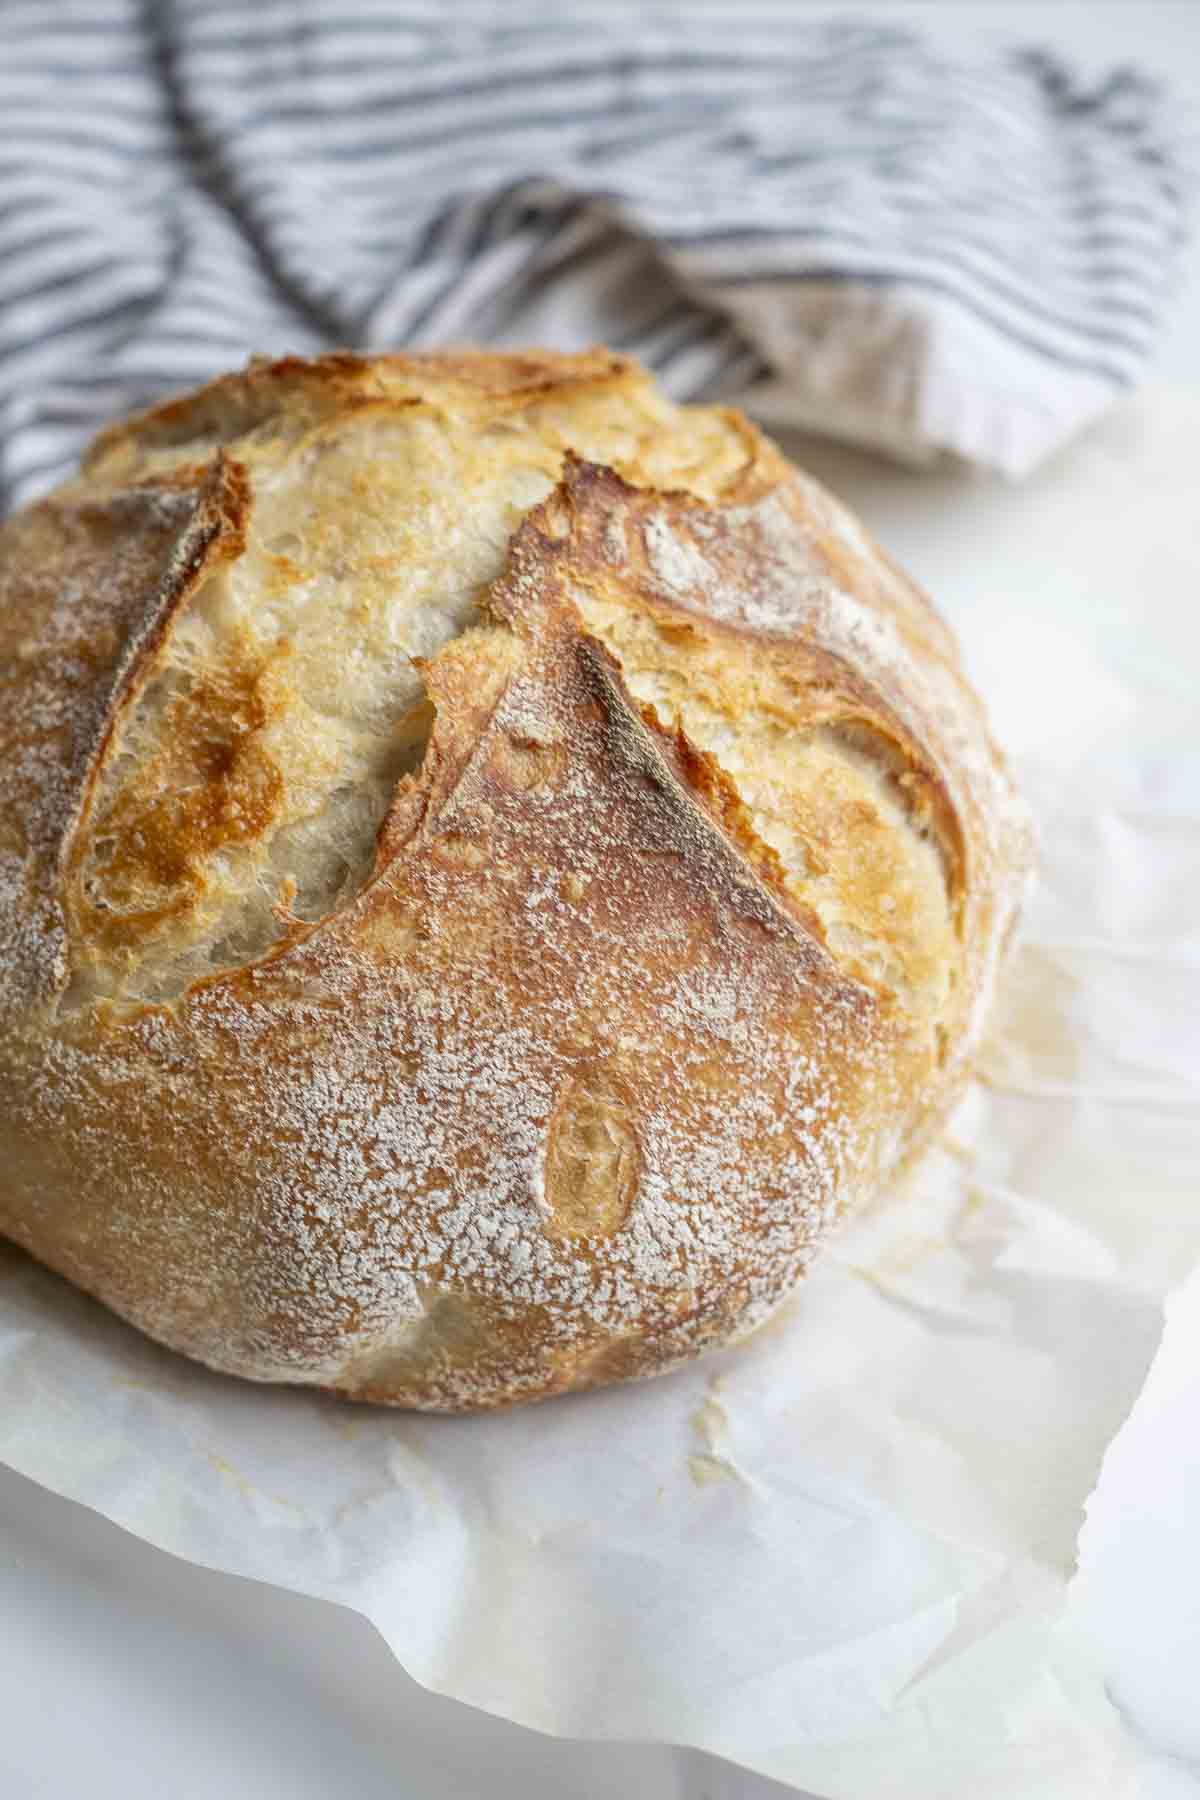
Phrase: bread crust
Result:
[572,1085]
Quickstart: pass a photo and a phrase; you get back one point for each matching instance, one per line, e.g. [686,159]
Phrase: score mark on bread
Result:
[492,865]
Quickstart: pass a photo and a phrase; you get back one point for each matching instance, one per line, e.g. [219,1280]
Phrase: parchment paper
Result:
[839,1553]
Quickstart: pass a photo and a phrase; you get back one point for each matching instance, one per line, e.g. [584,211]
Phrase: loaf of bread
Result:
[493,866]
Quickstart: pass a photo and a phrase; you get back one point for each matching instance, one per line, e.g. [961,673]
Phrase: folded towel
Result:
[834,222]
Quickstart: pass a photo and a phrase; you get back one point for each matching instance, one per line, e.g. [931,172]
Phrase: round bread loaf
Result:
[493,865]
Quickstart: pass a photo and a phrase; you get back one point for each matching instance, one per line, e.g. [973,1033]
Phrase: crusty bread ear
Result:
[244,784]
[491,865]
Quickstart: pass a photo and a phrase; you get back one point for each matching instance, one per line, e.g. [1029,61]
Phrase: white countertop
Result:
[126,1673]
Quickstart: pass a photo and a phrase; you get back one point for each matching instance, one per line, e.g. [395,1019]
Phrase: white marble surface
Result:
[125,1673]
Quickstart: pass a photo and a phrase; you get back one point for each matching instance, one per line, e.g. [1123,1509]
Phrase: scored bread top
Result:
[256,764]
[555,811]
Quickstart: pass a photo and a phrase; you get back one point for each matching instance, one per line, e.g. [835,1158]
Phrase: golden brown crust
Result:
[237,403]
[670,949]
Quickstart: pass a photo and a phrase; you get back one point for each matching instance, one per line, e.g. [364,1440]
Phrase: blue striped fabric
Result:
[831,220]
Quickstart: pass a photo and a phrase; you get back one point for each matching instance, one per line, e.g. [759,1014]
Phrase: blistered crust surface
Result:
[246,784]
[492,866]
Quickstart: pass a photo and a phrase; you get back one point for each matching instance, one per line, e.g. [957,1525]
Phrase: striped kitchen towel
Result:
[833,221]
